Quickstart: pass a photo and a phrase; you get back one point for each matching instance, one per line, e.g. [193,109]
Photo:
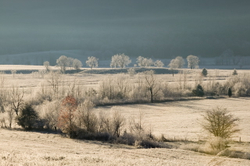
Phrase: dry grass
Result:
[176,120]
[30,148]
[180,119]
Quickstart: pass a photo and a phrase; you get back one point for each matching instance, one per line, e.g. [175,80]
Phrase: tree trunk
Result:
[151,95]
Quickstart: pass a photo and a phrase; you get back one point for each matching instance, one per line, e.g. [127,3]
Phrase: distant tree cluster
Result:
[147,62]
[120,60]
[63,62]
[178,62]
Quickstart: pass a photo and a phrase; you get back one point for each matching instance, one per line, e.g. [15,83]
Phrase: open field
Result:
[180,119]
[31,148]
[176,120]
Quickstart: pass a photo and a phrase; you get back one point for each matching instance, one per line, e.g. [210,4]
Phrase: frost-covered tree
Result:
[148,62]
[114,61]
[152,84]
[193,61]
[70,62]
[77,64]
[46,65]
[62,62]
[144,62]
[159,63]
[178,62]
[120,60]
[92,62]
[140,61]
[173,64]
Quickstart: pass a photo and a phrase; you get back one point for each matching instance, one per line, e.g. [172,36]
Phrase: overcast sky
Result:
[159,28]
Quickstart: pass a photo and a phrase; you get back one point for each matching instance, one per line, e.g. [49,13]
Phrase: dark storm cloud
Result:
[139,27]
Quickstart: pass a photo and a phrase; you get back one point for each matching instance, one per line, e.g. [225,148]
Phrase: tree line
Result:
[122,61]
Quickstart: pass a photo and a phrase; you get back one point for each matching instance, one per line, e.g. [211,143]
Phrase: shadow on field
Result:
[19,71]
[137,70]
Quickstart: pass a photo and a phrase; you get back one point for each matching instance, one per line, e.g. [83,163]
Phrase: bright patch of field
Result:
[181,119]
[31,148]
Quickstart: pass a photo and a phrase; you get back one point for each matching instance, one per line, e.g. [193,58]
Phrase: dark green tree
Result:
[235,72]
[198,91]
[204,72]
[27,117]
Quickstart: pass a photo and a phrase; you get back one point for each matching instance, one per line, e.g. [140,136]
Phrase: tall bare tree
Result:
[152,84]
[16,99]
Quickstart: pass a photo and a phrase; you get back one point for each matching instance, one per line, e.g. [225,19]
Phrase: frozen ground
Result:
[31,148]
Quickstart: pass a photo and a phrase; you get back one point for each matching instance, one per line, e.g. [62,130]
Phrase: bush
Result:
[87,118]
[235,72]
[27,117]
[220,123]
[198,91]
[112,124]
[214,145]
[204,72]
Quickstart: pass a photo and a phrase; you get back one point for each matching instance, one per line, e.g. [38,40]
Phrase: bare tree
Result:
[193,61]
[46,65]
[16,99]
[77,64]
[4,102]
[62,62]
[87,118]
[137,127]
[54,79]
[151,84]
[92,62]
[118,121]
[120,60]
[220,123]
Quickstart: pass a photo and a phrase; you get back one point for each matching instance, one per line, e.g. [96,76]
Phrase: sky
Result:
[155,29]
